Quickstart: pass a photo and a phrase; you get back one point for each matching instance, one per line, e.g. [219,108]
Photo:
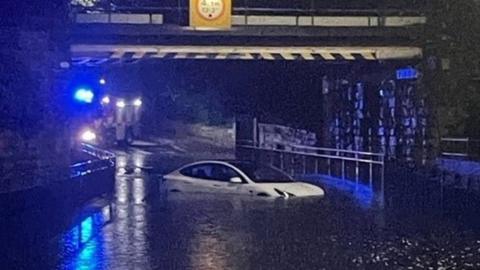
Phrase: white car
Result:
[237,177]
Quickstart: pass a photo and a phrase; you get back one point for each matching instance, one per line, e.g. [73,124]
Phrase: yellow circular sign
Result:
[211,9]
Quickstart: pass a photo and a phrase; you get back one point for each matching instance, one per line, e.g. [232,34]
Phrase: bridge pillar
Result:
[34,145]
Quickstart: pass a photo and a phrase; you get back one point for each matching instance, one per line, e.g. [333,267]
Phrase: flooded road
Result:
[143,229]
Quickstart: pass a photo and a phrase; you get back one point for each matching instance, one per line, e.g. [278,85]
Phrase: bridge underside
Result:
[91,55]
[129,38]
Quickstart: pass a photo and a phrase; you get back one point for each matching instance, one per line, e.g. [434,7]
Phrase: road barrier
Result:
[464,148]
[102,160]
[347,165]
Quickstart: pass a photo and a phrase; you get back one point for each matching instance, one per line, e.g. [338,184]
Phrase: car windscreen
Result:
[263,173]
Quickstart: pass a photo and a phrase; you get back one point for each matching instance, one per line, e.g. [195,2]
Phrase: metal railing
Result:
[282,6]
[465,148]
[176,11]
[345,164]
[103,160]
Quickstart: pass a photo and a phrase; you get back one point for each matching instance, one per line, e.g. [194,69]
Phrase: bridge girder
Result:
[99,54]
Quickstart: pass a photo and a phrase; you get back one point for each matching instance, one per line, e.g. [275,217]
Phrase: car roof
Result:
[228,161]
[220,161]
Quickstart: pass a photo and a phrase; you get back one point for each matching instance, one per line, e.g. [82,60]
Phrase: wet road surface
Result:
[142,229]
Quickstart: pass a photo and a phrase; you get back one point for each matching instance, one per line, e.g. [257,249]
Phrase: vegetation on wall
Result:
[454,37]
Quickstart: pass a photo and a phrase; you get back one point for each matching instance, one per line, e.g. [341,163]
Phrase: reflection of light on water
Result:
[140,232]
[126,163]
[121,171]
[138,160]
[138,190]
[88,257]
[208,249]
[86,230]
[85,241]
[121,161]
[363,194]
[130,226]
[107,213]
[122,189]
[121,164]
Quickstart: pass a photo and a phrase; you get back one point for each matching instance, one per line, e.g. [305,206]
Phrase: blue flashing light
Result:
[408,73]
[84,95]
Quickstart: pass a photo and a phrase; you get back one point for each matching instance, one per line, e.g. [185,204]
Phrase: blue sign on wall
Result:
[407,73]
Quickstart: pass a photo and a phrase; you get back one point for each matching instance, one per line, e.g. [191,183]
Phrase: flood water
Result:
[143,229]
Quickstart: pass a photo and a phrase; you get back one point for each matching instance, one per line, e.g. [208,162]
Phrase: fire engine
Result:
[116,121]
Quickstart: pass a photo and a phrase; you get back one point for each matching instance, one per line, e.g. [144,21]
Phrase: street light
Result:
[102,81]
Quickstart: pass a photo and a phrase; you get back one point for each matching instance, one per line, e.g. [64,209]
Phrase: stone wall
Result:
[33,126]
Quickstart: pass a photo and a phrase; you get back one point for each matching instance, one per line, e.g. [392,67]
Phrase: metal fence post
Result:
[382,184]
[282,161]
[468,147]
[304,165]
[343,169]
[357,169]
[179,12]
[316,165]
[370,179]
[292,165]
[329,163]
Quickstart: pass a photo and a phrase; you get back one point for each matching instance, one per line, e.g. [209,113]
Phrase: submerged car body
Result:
[236,177]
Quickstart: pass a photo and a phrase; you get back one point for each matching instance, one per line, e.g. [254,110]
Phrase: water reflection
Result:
[126,238]
[211,231]
[362,194]
[138,191]
[131,163]
[122,189]
[208,249]
[84,243]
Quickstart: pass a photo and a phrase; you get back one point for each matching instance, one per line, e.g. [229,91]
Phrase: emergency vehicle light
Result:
[84,95]
[88,136]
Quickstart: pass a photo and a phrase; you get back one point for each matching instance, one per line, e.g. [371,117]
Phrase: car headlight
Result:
[137,102]
[106,100]
[88,136]
[121,104]
[284,194]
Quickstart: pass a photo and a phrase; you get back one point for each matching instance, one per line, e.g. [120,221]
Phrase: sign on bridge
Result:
[211,14]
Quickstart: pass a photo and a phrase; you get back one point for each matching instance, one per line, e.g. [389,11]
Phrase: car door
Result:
[197,178]
[221,175]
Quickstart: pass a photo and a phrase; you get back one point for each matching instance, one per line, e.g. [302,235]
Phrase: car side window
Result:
[187,171]
[223,173]
[215,172]
[203,171]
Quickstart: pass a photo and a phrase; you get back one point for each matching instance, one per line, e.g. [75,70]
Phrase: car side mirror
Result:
[236,180]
